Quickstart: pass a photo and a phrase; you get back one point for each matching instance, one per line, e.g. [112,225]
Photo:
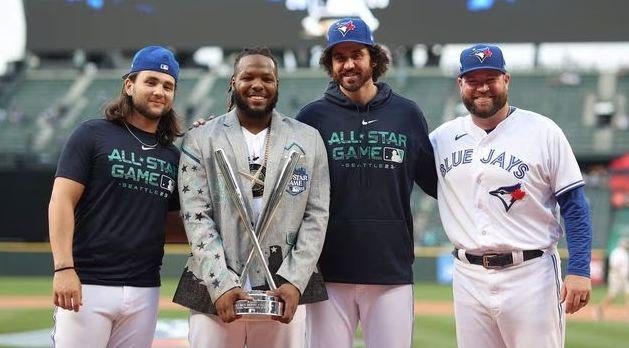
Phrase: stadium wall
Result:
[24,213]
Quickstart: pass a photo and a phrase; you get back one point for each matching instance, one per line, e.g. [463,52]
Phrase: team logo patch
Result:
[509,195]
[167,183]
[392,154]
[345,27]
[297,183]
[482,54]
[163,67]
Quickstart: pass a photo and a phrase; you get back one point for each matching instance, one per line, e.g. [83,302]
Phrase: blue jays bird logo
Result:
[345,27]
[482,54]
[509,195]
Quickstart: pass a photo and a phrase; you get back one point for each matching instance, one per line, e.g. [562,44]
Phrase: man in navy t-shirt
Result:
[113,190]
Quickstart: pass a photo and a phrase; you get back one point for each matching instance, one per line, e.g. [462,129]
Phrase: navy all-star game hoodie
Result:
[376,152]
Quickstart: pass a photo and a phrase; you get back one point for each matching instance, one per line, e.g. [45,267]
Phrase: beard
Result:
[242,105]
[144,110]
[359,81]
[498,102]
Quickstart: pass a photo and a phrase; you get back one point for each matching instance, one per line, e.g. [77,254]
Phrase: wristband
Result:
[63,268]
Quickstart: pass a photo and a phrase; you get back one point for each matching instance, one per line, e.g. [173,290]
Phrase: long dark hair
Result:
[377,54]
[121,107]
[247,51]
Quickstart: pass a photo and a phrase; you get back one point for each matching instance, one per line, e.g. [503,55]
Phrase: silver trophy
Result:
[263,306]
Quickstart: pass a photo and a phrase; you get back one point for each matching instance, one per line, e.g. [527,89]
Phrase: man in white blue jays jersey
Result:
[505,176]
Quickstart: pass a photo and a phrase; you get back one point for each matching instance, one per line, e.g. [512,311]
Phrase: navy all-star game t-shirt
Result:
[120,218]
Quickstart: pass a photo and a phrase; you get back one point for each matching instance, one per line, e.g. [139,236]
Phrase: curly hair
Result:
[121,107]
[248,51]
[377,55]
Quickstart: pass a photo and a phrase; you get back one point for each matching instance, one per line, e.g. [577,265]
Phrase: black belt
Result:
[497,260]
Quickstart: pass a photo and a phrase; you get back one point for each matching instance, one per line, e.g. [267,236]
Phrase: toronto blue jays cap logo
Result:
[345,27]
[509,195]
[482,57]
[482,53]
[349,30]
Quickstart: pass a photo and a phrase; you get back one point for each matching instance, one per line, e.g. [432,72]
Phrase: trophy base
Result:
[262,307]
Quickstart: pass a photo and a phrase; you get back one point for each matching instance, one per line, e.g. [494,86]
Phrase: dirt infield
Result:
[614,313]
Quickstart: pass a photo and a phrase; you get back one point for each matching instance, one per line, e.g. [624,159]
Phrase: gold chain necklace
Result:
[255,178]
[266,146]
[138,139]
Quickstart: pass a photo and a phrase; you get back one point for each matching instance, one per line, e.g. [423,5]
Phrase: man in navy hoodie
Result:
[378,146]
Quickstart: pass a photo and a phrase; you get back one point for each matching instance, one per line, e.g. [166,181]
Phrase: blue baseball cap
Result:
[482,57]
[349,30]
[155,58]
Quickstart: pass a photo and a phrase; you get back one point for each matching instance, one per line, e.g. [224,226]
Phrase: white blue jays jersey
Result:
[497,191]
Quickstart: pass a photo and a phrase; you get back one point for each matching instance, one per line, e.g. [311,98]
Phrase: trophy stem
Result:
[237,197]
[264,220]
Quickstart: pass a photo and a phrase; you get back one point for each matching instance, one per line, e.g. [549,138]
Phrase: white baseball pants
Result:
[513,307]
[111,317]
[209,331]
[385,313]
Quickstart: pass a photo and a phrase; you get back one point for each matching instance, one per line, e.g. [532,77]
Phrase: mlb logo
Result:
[392,154]
[167,183]
[163,67]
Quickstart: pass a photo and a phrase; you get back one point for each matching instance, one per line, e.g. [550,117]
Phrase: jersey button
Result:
[484,233]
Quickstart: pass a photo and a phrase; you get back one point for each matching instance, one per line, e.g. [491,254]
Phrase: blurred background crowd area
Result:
[61,60]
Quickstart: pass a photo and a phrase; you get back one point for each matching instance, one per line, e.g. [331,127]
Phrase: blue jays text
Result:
[513,164]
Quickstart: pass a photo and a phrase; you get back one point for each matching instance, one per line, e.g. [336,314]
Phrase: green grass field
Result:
[430,331]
